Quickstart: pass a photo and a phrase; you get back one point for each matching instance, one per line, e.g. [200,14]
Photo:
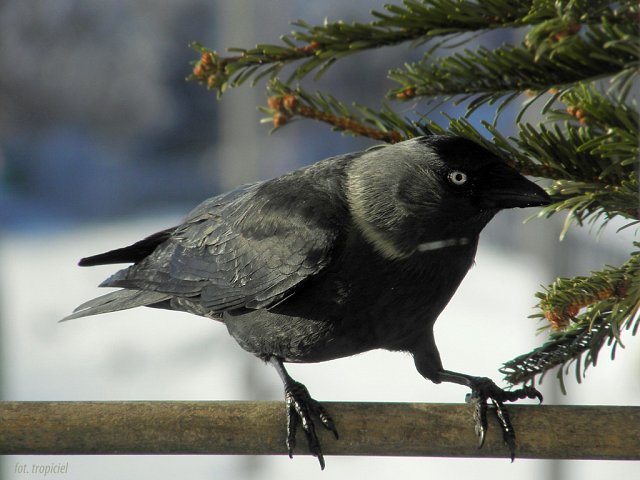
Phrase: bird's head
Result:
[432,192]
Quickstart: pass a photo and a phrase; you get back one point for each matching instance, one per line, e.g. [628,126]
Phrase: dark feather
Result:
[131,254]
[115,301]
[248,248]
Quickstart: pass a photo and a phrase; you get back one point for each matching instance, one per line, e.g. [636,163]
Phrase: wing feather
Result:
[246,249]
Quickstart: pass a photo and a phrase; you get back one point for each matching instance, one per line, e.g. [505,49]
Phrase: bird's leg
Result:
[300,409]
[482,389]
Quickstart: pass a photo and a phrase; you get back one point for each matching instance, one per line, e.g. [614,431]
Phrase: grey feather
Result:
[250,247]
[115,301]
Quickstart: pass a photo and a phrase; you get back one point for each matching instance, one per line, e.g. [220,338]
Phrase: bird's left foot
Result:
[483,389]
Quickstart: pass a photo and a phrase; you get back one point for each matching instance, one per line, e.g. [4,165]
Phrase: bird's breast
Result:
[361,303]
[391,303]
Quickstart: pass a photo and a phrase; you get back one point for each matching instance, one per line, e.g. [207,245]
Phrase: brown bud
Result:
[570,30]
[279,120]
[558,322]
[572,310]
[622,290]
[198,71]
[310,47]
[574,28]
[290,102]
[211,82]
[606,293]
[406,93]
[275,103]
[206,60]
[394,137]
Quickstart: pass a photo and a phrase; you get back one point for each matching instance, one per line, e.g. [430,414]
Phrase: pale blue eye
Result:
[457,178]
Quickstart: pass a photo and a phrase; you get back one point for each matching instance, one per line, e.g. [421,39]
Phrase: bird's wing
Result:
[249,248]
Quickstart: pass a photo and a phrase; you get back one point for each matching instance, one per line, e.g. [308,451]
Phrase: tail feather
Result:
[131,254]
[116,301]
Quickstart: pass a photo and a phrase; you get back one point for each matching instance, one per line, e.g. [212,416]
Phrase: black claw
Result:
[292,424]
[300,409]
[533,393]
[508,434]
[326,420]
[321,460]
[480,417]
[483,389]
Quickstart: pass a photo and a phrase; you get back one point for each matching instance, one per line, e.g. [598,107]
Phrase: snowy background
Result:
[103,143]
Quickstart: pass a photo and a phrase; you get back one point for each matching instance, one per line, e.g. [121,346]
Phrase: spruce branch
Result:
[586,313]
[602,50]
[592,144]
[588,147]
[504,147]
[318,47]
[286,103]
[417,21]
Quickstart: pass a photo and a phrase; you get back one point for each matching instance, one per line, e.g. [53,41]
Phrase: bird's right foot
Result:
[300,410]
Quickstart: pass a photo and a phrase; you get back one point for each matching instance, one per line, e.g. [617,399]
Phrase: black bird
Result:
[354,253]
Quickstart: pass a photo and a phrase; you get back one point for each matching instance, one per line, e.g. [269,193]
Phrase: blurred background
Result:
[102,142]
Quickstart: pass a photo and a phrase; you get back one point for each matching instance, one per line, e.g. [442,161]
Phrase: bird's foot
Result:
[483,389]
[300,409]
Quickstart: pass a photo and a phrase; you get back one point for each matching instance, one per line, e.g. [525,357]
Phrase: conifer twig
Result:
[287,106]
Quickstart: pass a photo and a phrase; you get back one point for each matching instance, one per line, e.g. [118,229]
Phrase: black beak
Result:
[504,187]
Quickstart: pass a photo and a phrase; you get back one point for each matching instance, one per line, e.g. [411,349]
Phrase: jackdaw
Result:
[356,252]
